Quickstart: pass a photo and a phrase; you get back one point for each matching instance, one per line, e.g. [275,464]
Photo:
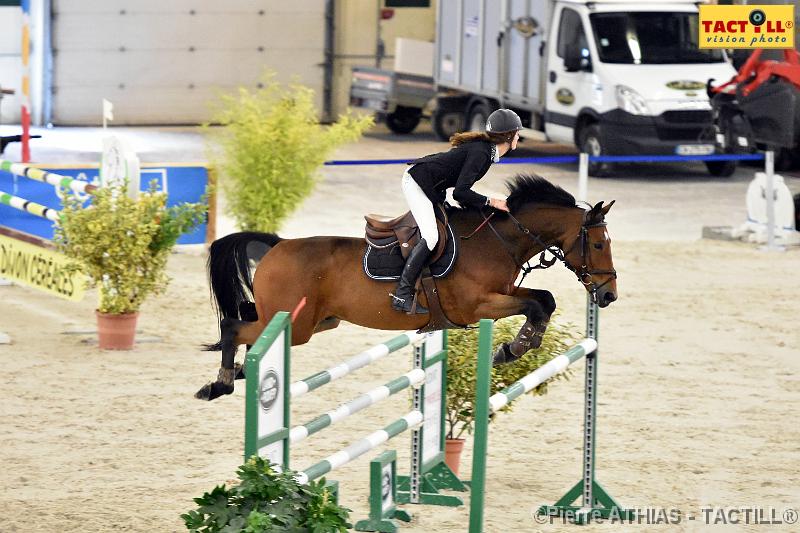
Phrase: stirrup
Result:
[399,304]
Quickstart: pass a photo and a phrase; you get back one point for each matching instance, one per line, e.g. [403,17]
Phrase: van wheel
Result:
[478,116]
[447,122]
[404,119]
[721,169]
[591,143]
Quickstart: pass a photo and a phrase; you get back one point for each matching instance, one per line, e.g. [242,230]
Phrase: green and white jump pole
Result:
[596,501]
[268,430]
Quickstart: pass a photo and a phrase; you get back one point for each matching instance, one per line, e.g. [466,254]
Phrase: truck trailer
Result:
[611,77]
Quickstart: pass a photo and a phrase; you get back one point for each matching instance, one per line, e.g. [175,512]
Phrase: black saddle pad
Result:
[384,262]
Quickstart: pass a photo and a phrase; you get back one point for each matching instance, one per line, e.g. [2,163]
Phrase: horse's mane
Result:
[526,189]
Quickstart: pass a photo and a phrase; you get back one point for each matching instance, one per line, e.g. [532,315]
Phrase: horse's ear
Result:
[605,209]
[594,212]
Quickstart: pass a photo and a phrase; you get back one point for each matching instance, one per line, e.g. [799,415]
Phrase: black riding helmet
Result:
[503,121]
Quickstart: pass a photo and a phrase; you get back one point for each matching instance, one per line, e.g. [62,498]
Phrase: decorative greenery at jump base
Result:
[268,432]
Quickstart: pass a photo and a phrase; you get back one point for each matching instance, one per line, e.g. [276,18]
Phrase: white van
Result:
[612,77]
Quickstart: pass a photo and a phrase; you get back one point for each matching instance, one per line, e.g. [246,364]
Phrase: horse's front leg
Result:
[537,306]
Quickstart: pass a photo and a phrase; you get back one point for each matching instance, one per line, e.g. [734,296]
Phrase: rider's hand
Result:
[499,204]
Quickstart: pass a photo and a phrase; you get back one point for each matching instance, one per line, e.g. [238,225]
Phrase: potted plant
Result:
[462,345]
[122,244]
[271,148]
[268,500]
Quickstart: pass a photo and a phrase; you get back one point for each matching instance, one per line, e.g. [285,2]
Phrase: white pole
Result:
[769,193]
[769,164]
[583,177]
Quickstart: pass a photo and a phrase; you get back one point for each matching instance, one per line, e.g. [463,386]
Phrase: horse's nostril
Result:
[610,297]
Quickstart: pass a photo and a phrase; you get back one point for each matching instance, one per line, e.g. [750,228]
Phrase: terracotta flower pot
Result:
[116,332]
[452,453]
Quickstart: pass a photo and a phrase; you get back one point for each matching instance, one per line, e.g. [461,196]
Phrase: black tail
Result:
[229,272]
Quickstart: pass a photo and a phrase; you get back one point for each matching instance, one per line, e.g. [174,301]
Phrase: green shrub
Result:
[271,147]
[267,501]
[462,347]
[123,244]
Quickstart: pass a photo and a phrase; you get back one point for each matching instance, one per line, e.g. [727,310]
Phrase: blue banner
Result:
[182,184]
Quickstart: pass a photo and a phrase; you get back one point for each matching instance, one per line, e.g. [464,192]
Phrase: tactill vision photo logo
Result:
[268,390]
[746,26]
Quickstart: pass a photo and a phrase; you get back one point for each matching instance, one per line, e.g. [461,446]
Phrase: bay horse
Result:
[493,247]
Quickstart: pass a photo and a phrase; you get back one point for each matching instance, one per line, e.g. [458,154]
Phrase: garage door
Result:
[163,61]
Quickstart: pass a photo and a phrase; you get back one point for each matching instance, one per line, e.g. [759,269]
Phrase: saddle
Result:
[390,241]
[382,230]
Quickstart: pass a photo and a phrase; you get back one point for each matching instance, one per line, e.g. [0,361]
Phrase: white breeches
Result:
[422,209]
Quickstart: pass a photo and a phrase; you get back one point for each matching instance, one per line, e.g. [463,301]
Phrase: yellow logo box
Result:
[39,268]
[746,26]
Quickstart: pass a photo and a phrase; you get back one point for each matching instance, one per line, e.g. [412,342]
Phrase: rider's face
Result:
[514,141]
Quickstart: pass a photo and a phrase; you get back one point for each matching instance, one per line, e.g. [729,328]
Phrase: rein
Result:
[584,274]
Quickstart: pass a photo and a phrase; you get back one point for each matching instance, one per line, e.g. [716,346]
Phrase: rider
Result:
[426,180]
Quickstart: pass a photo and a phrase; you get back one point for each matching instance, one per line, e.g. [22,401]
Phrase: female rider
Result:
[427,179]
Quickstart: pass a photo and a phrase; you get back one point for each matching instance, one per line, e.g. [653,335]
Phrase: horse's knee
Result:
[534,312]
[548,303]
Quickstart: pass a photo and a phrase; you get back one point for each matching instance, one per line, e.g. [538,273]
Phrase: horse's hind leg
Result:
[329,323]
[229,328]
[247,310]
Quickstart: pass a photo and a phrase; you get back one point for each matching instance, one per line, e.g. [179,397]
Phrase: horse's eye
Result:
[598,246]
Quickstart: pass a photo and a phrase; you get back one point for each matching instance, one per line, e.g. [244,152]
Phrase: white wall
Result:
[163,62]
[10,63]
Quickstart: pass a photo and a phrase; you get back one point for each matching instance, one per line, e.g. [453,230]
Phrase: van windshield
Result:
[650,37]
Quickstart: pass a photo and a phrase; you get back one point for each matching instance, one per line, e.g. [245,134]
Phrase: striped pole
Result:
[299,433]
[366,357]
[29,207]
[554,366]
[47,177]
[359,448]
[26,80]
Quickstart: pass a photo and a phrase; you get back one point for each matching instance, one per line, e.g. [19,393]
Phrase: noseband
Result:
[583,273]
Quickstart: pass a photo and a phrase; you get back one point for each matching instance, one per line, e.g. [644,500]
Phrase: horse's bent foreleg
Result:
[536,305]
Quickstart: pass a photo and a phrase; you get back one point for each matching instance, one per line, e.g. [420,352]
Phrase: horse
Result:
[327,272]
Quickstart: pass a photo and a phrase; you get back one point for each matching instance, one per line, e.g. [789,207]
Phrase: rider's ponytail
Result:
[471,136]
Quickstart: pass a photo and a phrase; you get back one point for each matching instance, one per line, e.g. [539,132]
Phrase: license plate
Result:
[374,104]
[694,149]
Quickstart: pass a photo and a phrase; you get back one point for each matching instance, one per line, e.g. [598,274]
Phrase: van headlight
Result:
[631,101]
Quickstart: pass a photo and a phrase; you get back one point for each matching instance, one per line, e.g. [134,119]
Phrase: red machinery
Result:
[760,106]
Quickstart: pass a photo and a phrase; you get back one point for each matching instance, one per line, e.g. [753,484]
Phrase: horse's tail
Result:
[229,272]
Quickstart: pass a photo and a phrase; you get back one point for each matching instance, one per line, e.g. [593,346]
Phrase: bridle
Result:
[583,273]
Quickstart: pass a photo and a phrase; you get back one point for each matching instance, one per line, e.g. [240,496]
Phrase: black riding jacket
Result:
[460,167]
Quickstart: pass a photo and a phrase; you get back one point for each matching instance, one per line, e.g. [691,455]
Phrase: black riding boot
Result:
[403,297]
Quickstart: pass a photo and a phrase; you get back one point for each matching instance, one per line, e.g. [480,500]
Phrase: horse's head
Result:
[548,216]
[588,254]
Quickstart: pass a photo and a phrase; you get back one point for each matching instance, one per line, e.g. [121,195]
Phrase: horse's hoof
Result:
[213,390]
[238,371]
[503,355]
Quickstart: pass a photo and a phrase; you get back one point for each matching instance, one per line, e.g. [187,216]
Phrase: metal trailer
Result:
[396,97]
[508,53]
[489,53]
